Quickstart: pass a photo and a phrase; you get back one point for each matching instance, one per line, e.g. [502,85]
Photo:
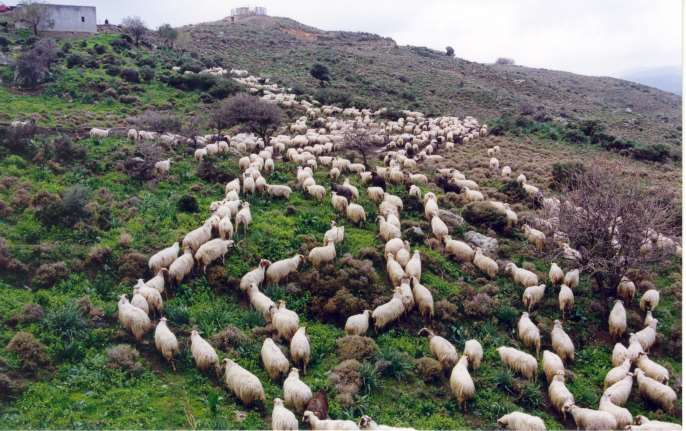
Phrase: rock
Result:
[450,218]
[414,234]
[487,244]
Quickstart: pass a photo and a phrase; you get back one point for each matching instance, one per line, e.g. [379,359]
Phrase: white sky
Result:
[594,37]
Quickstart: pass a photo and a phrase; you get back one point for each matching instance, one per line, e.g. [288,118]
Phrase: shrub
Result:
[505,61]
[121,44]
[530,396]
[356,347]
[504,380]
[147,73]
[48,274]
[68,210]
[253,114]
[31,352]
[157,121]
[99,49]
[67,322]
[29,313]
[33,66]
[130,75]
[564,174]
[575,136]
[391,114]
[370,377]
[507,315]
[395,363]
[132,265]
[224,88]
[653,153]
[484,213]
[64,150]
[347,381]
[449,51]
[188,204]
[123,357]
[113,70]
[330,96]
[321,73]
[481,305]
[19,140]
[75,59]
[229,338]
[429,369]
[515,191]
[177,313]
[4,42]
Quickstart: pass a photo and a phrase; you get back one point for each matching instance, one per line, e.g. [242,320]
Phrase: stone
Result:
[487,244]
[450,218]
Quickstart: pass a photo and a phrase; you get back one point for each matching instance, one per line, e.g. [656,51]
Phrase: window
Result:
[83,19]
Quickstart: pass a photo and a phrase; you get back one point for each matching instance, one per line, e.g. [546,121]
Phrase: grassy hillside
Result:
[77,229]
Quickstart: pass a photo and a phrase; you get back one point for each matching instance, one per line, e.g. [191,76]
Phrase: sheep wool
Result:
[485,263]
[355,213]
[621,415]
[423,298]
[367,423]
[275,362]
[565,299]
[521,276]
[414,266]
[132,318]
[203,353]
[652,369]
[442,349]
[650,300]
[319,256]
[521,422]
[626,289]
[358,324]
[284,321]
[163,258]
[460,250]
[533,295]
[197,237]
[244,217]
[620,391]
[211,251]
[151,295]
[475,353]
[559,395]
[256,276]
[438,227]
[619,354]
[166,342]
[555,275]
[643,423]
[335,234]
[300,349]
[552,365]
[296,393]
[572,278]
[529,333]
[138,301]
[656,392]
[327,424]
[389,311]
[519,361]
[562,343]
[225,228]
[461,382]
[617,320]
[617,373]
[281,269]
[282,418]
[244,384]
[181,267]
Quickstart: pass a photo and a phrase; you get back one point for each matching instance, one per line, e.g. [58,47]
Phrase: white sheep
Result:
[275,362]
[163,258]
[367,423]
[555,275]
[529,333]
[375,194]
[475,353]
[255,276]
[415,192]
[442,349]
[387,231]
[261,302]
[532,295]
[621,415]
[560,396]
[650,300]
[652,369]
[99,133]
[132,134]
[203,353]
[521,276]
[181,267]
[589,419]
[572,278]
[461,382]
[460,250]
[626,289]
[645,424]
[619,354]
[394,245]
[200,154]
[620,391]
[358,324]
[132,318]
[300,349]
[296,393]
[519,361]
[316,191]
[319,256]
[197,237]
[617,373]
[244,217]
[211,251]
[635,348]
[519,421]
[138,301]
[244,384]
[225,228]
[656,392]
[617,320]
[282,418]
[413,268]
[562,343]
[647,335]
[327,424]
[151,295]
[166,342]
[494,164]
[534,236]
[565,299]
[355,213]
[284,321]
[279,191]
[390,311]
[552,364]
[281,269]
[423,298]
[335,233]
[505,172]
[485,263]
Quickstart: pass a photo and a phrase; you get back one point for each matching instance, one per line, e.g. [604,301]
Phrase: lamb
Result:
[646,336]
[589,419]
[562,344]
[319,256]
[534,236]
[279,191]
[619,354]
[138,301]
[99,133]
[552,364]
[355,213]
[316,191]
[506,172]
[620,391]
[494,164]
[389,311]
[282,418]
[300,349]
[649,300]
[163,258]
[387,231]
[281,269]
[521,422]
[565,299]
[626,289]
[256,276]
[166,342]
[225,228]
[261,302]
[461,382]
[528,333]
[211,251]
[358,324]
[296,393]
[132,318]
[646,424]
[275,362]
[656,392]
[327,424]
[617,373]
[335,234]
[572,278]
[617,320]
[621,415]
[460,250]
[652,369]
[197,237]
[375,194]
[519,361]
[635,348]
[475,353]
[367,423]
[151,295]
[284,321]
[555,275]
[414,266]
[203,353]
[522,276]
[442,349]
[533,295]
[485,263]
[244,217]
[244,384]
[423,298]
[560,397]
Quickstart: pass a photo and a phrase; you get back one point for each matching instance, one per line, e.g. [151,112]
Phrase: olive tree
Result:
[251,113]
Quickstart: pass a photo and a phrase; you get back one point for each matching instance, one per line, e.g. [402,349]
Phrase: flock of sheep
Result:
[410,140]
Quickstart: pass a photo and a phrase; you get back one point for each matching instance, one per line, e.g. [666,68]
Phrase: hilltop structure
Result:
[249,11]
[67,19]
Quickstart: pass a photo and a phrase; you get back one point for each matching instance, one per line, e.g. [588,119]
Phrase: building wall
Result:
[71,19]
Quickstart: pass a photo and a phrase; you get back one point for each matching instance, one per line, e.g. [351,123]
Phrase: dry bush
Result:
[9,263]
[49,274]
[123,357]
[29,313]
[356,347]
[347,381]
[480,305]
[32,353]
[429,369]
[251,113]
[229,338]
[133,265]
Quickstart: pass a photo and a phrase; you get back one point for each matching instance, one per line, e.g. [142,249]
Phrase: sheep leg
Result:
[173,365]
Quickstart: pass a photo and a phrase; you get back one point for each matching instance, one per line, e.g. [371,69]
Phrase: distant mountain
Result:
[666,78]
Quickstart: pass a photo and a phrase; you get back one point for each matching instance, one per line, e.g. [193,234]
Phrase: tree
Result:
[505,61]
[34,15]
[157,121]
[253,114]
[358,139]
[134,27]
[320,72]
[168,33]
[449,51]
[612,221]
[33,66]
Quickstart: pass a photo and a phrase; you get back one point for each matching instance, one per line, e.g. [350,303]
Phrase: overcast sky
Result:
[594,37]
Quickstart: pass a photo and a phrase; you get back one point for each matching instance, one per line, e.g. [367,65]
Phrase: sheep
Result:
[282,418]
[367,423]
[316,191]
[415,192]
[261,302]
[99,133]
[132,318]
[281,269]
[355,213]
[619,354]
[340,203]
[635,348]
[211,251]
[138,301]
[248,184]
[626,289]
[319,256]
[394,245]
[406,294]
[163,258]
[589,419]
[358,324]
[296,393]
[394,200]
[475,353]
[442,349]
[244,384]
[521,276]
[389,311]
[531,190]
[621,415]
[552,364]
[519,361]
[423,298]
[430,206]
[151,295]
[346,184]
[197,237]
[375,194]
[617,373]
[473,195]
[649,300]
[327,424]
[162,167]
[461,382]
[485,263]
[181,267]
[656,392]
[166,342]
[532,295]
[335,234]
[243,217]
[555,275]
[572,278]
[460,250]
[649,319]
[534,236]
[652,369]
[646,424]
[387,231]
[132,134]
[203,353]
[528,333]
[559,395]
[334,173]
[521,422]
[255,276]
[565,299]
[646,336]
[617,320]
[300,349]
[620,391]
[494,164]
[275,362]
[505,172]
[562,344]
[284,321]
[200,154]
[413,268]
[279,191]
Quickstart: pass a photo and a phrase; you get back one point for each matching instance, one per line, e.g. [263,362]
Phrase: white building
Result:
[69,19]
[249,11]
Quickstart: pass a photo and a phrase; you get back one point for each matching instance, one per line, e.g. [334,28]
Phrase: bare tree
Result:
[135,27]
[611,219]
[33,66]
[168,33]
[253,114]
[358,139]
[34,15]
